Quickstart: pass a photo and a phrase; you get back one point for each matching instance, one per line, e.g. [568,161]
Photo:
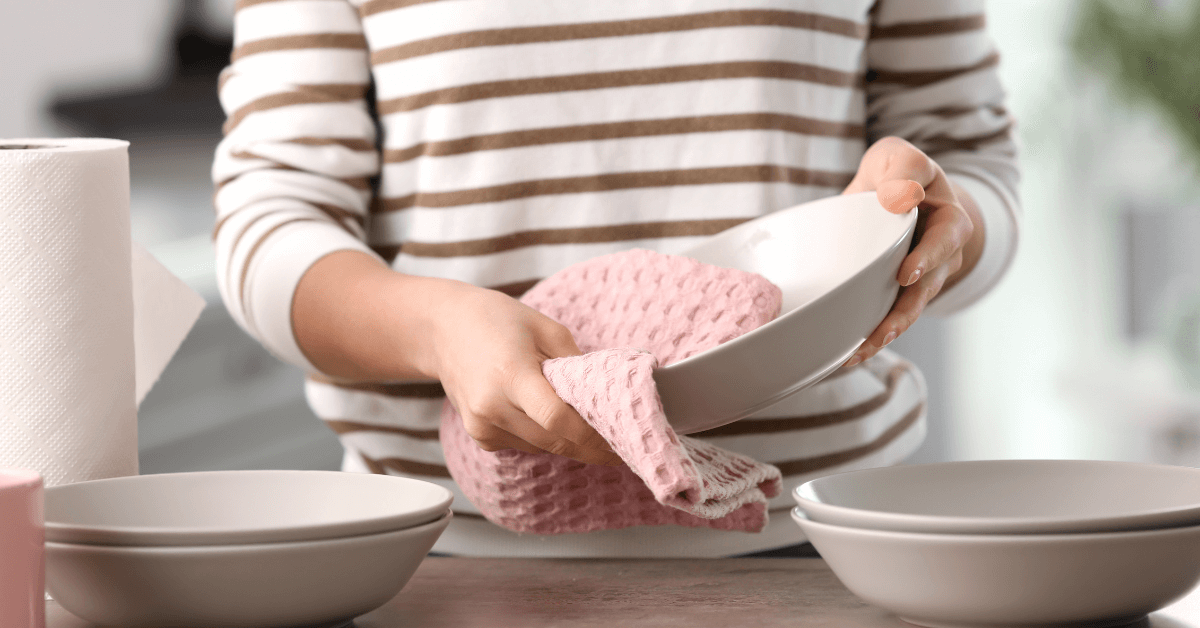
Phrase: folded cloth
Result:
[628,312]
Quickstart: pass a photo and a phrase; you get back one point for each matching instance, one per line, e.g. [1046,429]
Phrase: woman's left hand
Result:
[948,240]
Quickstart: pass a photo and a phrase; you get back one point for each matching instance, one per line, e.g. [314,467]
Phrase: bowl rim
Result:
[174,536]
[1053,538]
[1175,517]
[815,205]
[207,550]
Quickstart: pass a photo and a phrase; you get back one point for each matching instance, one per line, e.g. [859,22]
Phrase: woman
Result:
[394,171]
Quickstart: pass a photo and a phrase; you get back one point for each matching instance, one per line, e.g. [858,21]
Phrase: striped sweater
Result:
[498,141]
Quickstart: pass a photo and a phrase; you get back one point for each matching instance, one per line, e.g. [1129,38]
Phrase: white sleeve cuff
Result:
[1000,246]
[276,272]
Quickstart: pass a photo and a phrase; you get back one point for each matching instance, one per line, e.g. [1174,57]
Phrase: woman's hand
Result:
[949,235]
[489,351]
[358,320]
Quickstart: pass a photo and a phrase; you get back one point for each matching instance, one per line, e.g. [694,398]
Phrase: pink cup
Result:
[22,548]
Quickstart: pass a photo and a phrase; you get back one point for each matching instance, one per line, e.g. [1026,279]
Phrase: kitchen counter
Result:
[538,593]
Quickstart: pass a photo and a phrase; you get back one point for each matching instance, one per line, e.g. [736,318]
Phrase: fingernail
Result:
[854,361]
[916,274]
[887,340]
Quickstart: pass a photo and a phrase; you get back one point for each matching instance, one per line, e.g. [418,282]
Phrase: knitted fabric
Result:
[628,312]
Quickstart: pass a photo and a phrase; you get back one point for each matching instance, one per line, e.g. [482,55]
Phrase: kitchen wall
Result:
[1082,351]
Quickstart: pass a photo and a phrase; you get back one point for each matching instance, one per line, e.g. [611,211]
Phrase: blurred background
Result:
[1090,347]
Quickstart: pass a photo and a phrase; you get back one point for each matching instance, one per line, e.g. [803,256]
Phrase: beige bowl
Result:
[835,260]
[990,581]
[234,507]
[1007,497]
[275,585]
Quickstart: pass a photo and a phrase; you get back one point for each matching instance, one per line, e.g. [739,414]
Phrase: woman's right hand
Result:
[489,350]
[356,319]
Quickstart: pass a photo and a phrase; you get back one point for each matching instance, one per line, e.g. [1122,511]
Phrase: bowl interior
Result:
[231,501]
[1011,489]
[809,249]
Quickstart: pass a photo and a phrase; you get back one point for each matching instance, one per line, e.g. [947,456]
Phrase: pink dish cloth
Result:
[629,312]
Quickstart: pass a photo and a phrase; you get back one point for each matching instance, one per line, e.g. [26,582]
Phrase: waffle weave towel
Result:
[628,312]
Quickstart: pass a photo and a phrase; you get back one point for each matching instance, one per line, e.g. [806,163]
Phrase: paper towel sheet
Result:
[69,386]
[164,311]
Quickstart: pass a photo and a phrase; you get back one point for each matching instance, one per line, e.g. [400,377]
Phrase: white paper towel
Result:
[68,390]
[164,311]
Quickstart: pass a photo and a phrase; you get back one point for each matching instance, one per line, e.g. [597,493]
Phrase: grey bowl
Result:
[836,262]
[267,585]
[1016,580]
[235,507]
[1007,497]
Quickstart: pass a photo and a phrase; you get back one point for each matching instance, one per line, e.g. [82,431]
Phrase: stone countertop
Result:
[571,593]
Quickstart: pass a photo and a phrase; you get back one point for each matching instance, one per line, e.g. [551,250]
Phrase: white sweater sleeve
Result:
[293,171]
[932,80]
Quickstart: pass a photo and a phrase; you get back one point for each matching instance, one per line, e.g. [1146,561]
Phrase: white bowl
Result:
[836,262]
[1007,497]
[978,580]
[269,585]
[234,507]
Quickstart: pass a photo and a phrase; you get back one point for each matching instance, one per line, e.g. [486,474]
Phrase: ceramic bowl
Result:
[235,507]
[836,262]
[983,580]
[1007,497]
[266,585]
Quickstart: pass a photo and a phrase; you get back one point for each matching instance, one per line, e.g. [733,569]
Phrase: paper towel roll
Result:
[67,406]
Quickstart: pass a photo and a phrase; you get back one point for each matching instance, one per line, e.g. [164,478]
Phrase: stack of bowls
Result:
[1010,542]
[237,548]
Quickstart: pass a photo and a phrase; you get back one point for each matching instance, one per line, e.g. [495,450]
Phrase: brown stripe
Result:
[635,128]
[353,143]
[410,390]
[340,213]
[943,144]
[930,28]
[346,427]
[410,467]
[221,223]
[811,421]
[789,468]
[350,41]
[254,249]
[809,465]
[372,465]
[921,79]
[517,288]
[953,112]
[379,6]
[358,183]
[387,251]
[574,235]
[302,95]
[246,227]
[242,4]
[762,173]
[620,28]
[623,78]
